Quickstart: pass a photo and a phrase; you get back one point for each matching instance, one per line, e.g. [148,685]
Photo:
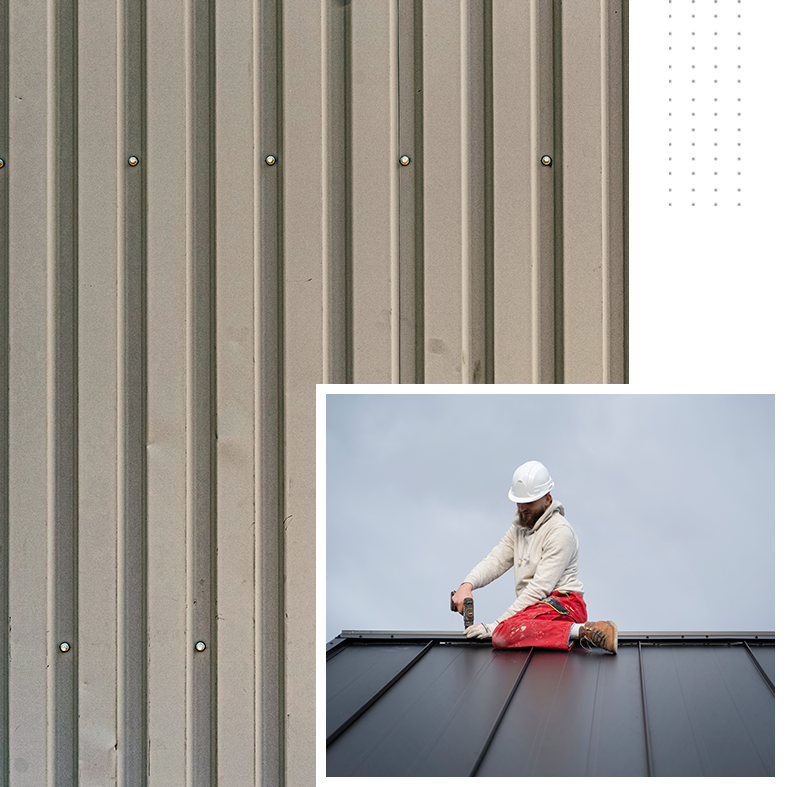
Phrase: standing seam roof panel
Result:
[723,705]
[705,708]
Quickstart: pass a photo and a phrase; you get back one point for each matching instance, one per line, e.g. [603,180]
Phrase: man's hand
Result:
[462,593]
[480,631]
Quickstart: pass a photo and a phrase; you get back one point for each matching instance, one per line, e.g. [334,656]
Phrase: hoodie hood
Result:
[554,507]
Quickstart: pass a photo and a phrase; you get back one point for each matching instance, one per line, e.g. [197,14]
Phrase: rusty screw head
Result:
[405,161]
[64,647]
[270,161]
[133,161]
[2,163]
[546,161]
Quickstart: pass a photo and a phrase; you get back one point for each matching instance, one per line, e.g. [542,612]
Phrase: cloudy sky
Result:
[671,497]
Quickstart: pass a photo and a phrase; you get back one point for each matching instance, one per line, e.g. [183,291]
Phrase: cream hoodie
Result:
[545,559]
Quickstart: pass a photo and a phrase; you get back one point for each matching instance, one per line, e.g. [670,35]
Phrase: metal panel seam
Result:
[758,666]
[643,695]
[132,637]
[605,203]
[418,257]
[394,185]
[625,141]
[269,611]
[336,216]
[404,41]
[495,726]
[732,697]
[62,246]
[201,396]
[559,185]
[409,306]
[375,697]
[476,206]
[4,395]
[489,361]
[616,158]
[465,197]
[534,219]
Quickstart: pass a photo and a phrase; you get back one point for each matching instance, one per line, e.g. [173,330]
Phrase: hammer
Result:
[468,610]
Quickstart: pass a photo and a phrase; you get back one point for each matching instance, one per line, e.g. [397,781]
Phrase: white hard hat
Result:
[530,482]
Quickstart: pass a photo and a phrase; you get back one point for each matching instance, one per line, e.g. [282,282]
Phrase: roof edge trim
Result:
[625,636]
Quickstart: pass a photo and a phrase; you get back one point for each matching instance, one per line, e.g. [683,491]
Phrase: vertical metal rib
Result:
[606,229]
[612,125]
[370,701]
[201,396]
[543,187]
[500,715]
[269,408]
[337,198]
[749,651]
[411,258]
[62,389]
[558,169]
[4,404]
[646,729]
[625,55]
[477,133]
[132,574]
[488,195]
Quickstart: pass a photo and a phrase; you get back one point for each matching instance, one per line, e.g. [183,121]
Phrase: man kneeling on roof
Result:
[549,611]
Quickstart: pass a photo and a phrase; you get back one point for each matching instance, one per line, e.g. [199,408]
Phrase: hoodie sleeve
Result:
[558,549]
[498,561]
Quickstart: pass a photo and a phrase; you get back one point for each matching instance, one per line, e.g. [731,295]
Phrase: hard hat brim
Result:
[525,499]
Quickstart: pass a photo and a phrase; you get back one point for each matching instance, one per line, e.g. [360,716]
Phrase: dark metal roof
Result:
[437,704]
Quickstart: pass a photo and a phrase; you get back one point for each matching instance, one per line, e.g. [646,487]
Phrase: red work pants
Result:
[542,626]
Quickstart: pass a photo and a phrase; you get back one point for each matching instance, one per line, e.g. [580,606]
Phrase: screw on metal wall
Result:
[270,161]
[2,163]
[200,646]
[546,161]
[133,161]
[64,647]
[405,161]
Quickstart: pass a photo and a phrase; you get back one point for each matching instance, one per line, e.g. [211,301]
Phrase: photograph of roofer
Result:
[542,548]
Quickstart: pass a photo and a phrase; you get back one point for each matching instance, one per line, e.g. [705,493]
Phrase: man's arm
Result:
[499,560]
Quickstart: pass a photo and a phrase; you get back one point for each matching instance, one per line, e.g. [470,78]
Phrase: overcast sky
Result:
[671,497]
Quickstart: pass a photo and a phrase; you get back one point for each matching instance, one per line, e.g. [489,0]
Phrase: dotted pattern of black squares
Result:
[705,102]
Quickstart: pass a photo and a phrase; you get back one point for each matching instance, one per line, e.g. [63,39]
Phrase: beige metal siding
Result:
[163,326]
[524,200]
[4,341]
[592,184]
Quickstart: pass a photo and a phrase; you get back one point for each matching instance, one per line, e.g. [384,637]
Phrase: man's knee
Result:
[499,638]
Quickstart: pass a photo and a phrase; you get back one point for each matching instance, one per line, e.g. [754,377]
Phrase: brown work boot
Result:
[602,634]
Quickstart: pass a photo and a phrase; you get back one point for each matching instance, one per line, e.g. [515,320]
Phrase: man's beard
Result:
[531,519]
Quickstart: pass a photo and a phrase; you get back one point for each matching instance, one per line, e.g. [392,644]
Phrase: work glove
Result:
[480,631]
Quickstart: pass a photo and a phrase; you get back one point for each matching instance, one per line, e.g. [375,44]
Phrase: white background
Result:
[710,287]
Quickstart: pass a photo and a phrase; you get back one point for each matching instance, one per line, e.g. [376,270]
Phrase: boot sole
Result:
[612,623]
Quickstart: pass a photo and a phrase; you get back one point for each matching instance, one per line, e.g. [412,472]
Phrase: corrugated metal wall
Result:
[202,214]
[473,262]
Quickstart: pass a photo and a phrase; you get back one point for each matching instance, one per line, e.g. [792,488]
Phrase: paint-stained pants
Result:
[541,625]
